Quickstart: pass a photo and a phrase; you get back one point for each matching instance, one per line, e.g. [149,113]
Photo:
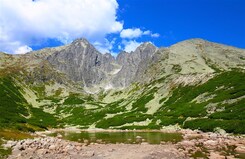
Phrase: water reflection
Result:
[121,137]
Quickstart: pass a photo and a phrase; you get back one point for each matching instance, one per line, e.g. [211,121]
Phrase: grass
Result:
[3,151]
[225,89]
[234,111]
[139,104]
[12,105]
[83,117]
[230,126]
[73,99]
[42,119]
[40,90]
[14,108]
[181,104]
[177,68]
[11,134]
[122,119]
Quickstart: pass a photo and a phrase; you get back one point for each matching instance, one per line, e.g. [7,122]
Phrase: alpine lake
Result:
[126,137]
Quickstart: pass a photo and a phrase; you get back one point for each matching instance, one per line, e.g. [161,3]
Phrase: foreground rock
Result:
[212,145]
[51,148]
[47,147]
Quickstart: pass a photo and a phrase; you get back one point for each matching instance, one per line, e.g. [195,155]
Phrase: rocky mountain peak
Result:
[146,47]
[81,62]
[80,41]
[109,56]
[122,57]
[81,46]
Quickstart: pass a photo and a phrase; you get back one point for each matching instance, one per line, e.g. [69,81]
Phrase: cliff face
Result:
[81,62]
[133,64]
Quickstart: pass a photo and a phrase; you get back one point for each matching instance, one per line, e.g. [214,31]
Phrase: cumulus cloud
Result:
[25,22]
[147,32]
[105,46]
[130,45]
[132,33]
[155,35]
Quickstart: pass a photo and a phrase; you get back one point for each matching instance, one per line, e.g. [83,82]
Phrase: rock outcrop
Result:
[133,64]
[81,62]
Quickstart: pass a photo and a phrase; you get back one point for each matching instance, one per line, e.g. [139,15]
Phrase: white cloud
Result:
[155,35]
[119,47]
[23,22]
[23,49]
[136,33]
[130,45]
[105,46]
[131,33]
[148,32]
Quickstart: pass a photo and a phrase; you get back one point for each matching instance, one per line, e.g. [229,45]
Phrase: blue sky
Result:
[113,25]
[220,21]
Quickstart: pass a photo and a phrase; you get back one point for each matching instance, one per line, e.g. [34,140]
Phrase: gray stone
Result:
[52,147]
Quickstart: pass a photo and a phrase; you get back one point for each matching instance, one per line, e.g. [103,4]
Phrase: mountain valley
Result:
[193,84]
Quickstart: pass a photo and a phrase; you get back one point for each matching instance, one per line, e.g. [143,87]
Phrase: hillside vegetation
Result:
[193,84]
[219,102]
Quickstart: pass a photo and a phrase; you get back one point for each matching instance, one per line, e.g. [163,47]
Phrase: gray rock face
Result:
[133,64]
[81,62]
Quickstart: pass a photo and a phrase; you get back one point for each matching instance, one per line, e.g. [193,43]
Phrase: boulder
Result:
[240,149]
[215,155]
[59,136]
[52,147]
[210,144]
[187,143]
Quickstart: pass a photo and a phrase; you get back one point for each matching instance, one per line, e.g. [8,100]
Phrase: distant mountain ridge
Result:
[82,63]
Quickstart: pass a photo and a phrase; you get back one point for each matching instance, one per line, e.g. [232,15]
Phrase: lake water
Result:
[121,137]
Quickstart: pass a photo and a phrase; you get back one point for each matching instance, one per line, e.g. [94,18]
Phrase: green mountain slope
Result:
[15,111]
[193,84]
[218,102]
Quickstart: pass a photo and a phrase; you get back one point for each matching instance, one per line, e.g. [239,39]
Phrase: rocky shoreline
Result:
[194,144]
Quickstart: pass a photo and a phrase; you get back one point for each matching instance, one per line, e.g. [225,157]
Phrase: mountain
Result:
[133,64]
[81,62]
[193,84]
